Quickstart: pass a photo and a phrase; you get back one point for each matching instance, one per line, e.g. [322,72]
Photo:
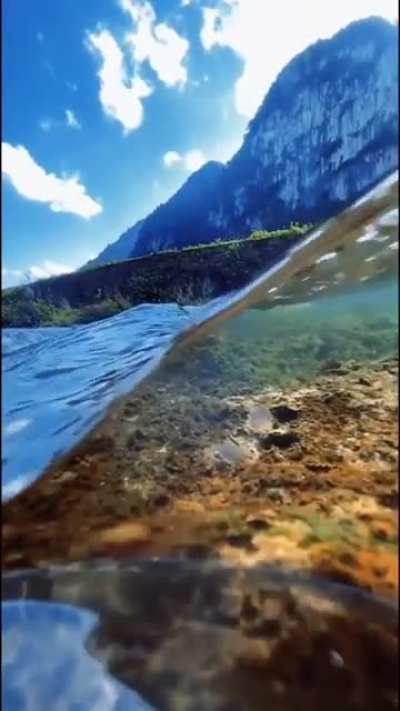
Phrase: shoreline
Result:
[303,476]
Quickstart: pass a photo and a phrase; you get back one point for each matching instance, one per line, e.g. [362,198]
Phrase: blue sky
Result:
[108,106]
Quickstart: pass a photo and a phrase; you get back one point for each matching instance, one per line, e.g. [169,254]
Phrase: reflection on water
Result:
[45,663]
[215,639]
[57,383]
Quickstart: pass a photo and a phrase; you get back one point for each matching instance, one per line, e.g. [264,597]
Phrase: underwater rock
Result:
[99,445]
[283,440]
[123,534]
[333,366]
[260,419]
[284,413]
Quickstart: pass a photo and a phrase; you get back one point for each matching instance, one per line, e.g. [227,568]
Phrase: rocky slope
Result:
[325,133]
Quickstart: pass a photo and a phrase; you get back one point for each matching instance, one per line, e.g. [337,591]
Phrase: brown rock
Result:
[284,413]
[124,533]
[283,440]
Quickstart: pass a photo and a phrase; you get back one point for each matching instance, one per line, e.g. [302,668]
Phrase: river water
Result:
[87,637]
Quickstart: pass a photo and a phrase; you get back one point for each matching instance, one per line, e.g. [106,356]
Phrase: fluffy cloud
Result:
[14,277]
[71,119]
[192,160]
[120,97]
[45,270]
[171,158]
[32,182]
[262,35]
[159,44]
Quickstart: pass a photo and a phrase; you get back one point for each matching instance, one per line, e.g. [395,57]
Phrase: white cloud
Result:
[192,160]
[45,270]
[120,97]
[185,3]
[159,44]
[14,277]
[170,158]
[71,119]
[267,35]
[32,182]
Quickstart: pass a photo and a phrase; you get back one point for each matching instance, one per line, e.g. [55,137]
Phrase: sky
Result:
[110,105]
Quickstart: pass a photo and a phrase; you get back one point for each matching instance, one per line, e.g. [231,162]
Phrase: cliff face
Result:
[326,132]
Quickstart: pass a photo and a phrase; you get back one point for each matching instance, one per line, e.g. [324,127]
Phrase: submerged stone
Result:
[282,440]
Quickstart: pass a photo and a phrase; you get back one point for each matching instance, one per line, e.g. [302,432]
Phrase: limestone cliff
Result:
[326,132]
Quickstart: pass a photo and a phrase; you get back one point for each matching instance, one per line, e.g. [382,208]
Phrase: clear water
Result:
[290,344]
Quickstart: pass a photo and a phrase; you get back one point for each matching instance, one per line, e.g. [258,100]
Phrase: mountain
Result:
[115,252]
[326,132]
